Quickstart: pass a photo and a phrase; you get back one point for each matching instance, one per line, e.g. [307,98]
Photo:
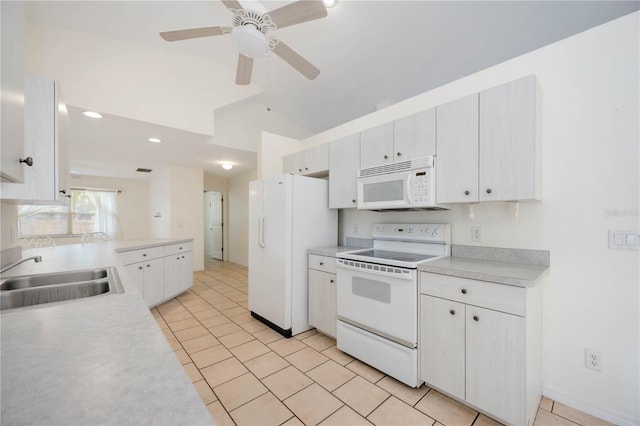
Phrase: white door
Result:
[213,224]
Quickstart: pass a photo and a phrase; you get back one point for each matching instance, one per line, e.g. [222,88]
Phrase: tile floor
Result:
[247,374]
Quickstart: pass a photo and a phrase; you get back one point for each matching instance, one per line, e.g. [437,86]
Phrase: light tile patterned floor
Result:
[247,374]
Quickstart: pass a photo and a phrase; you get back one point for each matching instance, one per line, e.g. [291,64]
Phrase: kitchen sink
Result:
[28,290]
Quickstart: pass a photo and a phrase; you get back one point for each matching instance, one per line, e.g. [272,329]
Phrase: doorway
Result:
[213,224]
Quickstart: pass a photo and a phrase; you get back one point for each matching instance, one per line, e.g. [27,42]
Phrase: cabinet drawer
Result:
[177,248]
[499,297]
[133,256]
[322,263]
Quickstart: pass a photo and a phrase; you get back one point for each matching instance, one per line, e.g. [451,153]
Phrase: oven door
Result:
[382,302]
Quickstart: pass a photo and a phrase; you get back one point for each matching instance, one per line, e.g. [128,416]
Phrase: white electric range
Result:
[378,296]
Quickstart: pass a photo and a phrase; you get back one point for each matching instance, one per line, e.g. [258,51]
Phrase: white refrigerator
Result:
[288,215]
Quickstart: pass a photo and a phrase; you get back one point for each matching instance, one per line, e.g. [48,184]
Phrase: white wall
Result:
[238,204]
[590,185]
[133,202]
[176,193]
[271,149]
[9,226]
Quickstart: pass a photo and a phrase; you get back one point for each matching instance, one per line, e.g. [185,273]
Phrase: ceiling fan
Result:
[250,33]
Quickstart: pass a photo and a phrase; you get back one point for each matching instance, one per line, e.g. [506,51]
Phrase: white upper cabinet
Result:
[46,121]
[376,146]
[415,136]
[457,143]
[310,162]
[510,151]
[488,145]
[344,160]
[12,30]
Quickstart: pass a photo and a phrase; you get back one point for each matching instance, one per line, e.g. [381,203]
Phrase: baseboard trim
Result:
[584,406]
[286,333]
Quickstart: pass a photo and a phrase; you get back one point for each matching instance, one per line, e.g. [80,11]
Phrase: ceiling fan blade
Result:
[245,67]
[232,4]
[294,59]
[298,12]
[192,33]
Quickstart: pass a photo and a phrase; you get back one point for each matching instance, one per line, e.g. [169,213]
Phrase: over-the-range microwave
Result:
[407,185]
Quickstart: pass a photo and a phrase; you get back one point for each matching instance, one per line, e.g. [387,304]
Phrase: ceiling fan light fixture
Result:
[249,41]
[227,166]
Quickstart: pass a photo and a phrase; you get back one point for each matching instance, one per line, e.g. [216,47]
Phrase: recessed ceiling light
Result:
[154,140]
[330,3]
[92,114]
[227,166]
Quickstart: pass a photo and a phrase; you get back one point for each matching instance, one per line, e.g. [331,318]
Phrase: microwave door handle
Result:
[408,190]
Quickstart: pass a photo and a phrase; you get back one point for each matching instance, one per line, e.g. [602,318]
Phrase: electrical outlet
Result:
[476,234]
[592,359]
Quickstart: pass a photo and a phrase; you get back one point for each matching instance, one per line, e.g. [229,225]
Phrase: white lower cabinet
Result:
[470,350]
[148,277]
[322,294]
[160,273]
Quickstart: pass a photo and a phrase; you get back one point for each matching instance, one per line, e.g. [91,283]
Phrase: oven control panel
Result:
[429,232]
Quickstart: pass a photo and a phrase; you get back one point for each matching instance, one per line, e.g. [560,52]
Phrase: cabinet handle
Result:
[321,263]
[139,267]
[399,154]
[148,266]
[28,161]
[386,157]
[353,201]
[331,281]
[463,291]
[178,257]
[179,248]
[488,190]
[63,191]
[306,168]
[452,312]
[466,192]
[476,318]
[299,170]
[68,195]
[183,257]
[144,254]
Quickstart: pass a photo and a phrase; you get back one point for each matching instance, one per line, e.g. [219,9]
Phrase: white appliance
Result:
[409,185]
[378,296]
[288,215]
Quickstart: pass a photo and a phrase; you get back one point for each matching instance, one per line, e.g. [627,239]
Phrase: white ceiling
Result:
[370,53]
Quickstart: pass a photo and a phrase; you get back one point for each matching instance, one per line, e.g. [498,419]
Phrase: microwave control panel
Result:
[422,188]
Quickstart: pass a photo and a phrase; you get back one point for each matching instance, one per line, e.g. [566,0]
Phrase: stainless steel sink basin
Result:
[27,290]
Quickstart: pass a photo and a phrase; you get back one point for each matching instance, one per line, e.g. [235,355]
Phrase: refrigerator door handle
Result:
[261,231]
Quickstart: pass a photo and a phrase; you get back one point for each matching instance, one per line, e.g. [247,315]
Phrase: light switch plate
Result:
[624,240]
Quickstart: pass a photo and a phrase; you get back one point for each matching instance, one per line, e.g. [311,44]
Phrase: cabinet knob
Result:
[331,281]
[488,190]
[68,195]
[399,154]
[28,161]
[139,267]
[353,201]
[466,192]
[148,266]
[476,318]
[321,263]
[144,254]
[463,291]
[299,170]
[178,258]
[452,312]
[386,157]
[183,257]
[63,191]
[306,168]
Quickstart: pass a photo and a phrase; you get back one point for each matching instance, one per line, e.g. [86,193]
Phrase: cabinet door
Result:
[136,273]
[495,363]
[153,281]
[442,340]
[187,270]
[508,150]
[316,160]
[12,30]
[172,282]
[344,161]
[415,136]
[294,163]
[457,151]
[322,301]
[376,146]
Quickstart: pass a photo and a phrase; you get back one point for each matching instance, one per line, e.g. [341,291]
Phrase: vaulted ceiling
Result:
[370,54]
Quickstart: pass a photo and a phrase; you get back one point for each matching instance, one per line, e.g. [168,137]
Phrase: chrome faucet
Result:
[36,258]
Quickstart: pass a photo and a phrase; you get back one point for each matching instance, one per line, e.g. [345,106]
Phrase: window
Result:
[88,211]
